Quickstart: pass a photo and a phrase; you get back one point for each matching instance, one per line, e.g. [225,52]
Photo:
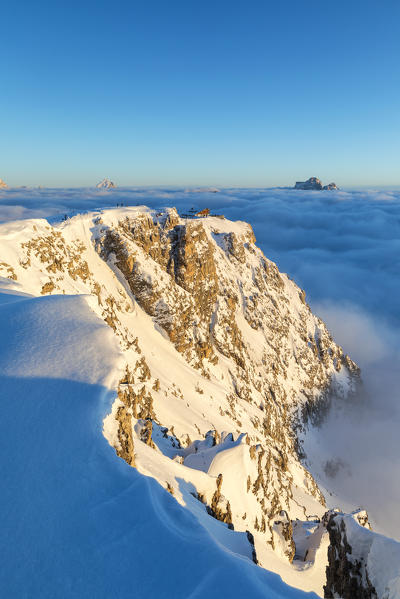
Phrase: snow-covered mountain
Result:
[106,184]
[3,184]
[215,367]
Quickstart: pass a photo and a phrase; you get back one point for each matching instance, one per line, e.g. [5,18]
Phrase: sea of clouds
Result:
[343,248]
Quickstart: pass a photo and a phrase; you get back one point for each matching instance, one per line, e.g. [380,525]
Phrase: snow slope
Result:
[76,520]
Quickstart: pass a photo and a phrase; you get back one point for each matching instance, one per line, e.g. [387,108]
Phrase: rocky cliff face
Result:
[361,563]
[313,183]
[225,362]
[213,292]
[346,573]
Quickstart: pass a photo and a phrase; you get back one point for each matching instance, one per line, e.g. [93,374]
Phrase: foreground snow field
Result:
[76,520]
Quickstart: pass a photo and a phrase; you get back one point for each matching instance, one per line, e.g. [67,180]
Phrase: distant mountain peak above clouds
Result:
[3,184]
[314,183]
[106,184]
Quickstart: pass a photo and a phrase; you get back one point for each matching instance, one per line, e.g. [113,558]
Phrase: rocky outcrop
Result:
[180,288]
[362,564]
[125,448]
[7,271]
[313,183]
[282,530]
[347,571]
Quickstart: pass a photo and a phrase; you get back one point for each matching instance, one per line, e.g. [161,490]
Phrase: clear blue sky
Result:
[254,93]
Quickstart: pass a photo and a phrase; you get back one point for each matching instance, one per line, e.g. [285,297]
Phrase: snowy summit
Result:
[106,184]
[3,184]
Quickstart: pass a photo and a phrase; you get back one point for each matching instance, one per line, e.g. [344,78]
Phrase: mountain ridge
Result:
[224,364]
